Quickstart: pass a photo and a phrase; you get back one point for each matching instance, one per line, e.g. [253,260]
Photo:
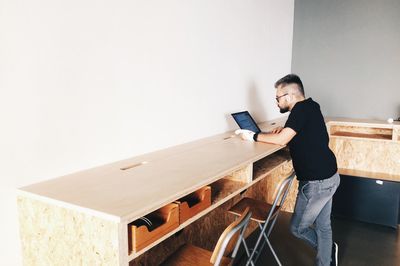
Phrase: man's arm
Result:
[281,138]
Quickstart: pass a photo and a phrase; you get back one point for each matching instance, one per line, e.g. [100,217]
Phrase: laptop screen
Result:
[245,121]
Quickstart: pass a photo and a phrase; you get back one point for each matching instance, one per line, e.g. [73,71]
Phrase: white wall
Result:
[84,83]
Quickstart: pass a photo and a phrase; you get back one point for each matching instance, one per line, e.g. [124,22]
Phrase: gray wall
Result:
[348,54]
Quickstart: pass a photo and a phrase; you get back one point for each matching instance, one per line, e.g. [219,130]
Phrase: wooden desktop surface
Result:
[155,179]
[134,187]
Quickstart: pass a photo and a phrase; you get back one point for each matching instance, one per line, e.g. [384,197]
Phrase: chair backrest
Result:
[285,187]
[282,192]
[238,227]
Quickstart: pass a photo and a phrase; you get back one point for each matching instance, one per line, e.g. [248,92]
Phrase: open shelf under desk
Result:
[224,190]
[368,132]
[265,166]
[362,135]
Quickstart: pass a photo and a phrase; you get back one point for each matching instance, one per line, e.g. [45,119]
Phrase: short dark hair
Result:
[290,79]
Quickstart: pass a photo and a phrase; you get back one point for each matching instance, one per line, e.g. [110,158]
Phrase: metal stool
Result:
[189,255]
[265,215]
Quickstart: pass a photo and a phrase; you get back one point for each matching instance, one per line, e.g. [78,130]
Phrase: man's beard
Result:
[284,110]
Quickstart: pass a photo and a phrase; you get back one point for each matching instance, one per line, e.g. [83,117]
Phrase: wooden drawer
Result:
[142,232]
[194,203]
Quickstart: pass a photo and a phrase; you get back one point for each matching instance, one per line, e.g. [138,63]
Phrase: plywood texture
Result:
[331,121]
[189,255]
[159,253]
[243,175]
[52,236]
[222,188]
[205,231]
[396,134]
[363,135]
[366,155]
[361,129]
[267,188]
[212,225]
[264,166]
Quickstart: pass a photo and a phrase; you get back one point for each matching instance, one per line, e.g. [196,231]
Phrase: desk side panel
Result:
[267,188]
[53,235]
[367,155]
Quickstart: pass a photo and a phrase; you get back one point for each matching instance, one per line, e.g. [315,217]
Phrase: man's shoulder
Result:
[302,105]
[309,104]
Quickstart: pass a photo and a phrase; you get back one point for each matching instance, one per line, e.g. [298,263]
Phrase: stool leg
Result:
[267,240]
[255,247]
[242,239]
[273,252]
[272,224]
[246,248]
[247,251]
[250,260]
[262,246]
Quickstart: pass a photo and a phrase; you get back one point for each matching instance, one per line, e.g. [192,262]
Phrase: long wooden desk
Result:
[83,218]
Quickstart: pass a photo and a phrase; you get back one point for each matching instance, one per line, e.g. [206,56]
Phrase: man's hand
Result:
[277,130]
[245,134]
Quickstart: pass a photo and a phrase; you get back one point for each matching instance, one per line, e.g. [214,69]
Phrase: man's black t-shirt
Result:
[312,159]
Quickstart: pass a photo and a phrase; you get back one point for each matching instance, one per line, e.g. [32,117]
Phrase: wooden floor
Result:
[359,244]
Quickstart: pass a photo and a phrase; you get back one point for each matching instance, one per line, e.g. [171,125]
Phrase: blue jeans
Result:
[311,220]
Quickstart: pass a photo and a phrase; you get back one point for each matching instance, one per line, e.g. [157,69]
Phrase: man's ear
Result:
[290,98]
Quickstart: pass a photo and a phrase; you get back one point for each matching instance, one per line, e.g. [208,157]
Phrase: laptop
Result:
[245,121]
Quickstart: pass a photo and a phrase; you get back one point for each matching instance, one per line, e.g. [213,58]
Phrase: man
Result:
[314,163]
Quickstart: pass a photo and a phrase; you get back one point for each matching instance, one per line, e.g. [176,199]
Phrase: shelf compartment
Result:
[162,221]
[224,187]
[194,203]
[263,167]
[361,132]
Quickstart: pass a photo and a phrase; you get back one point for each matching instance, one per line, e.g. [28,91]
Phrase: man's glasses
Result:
[277,98]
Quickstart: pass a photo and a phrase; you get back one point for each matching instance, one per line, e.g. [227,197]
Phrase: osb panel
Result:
[264,166]
[363,135]
[160,252]
[357,129]
[222,188]
[52,235]
[396,134]
[367,155]
[267,188]
[211,226]
[205,231]
[242,175]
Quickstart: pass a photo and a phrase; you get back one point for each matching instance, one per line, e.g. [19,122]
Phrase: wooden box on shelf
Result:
[151,227]
[194,203]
